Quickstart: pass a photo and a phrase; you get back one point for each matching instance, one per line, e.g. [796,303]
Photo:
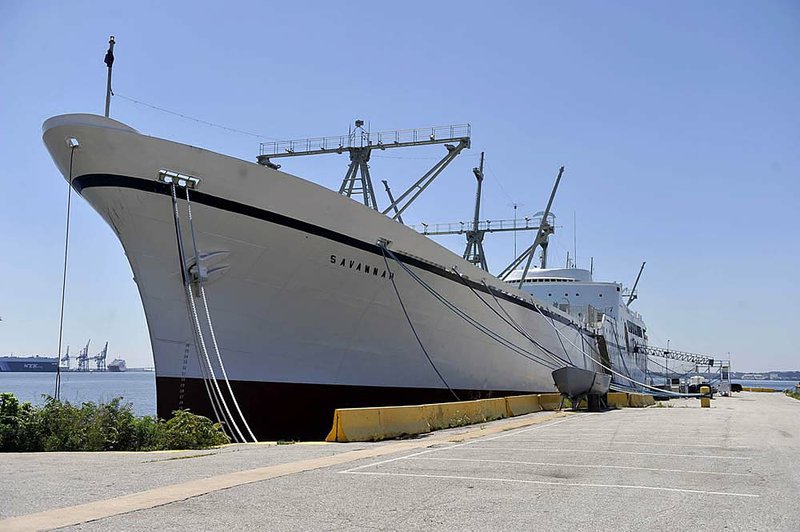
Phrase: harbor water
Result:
[139,387]
[135,387]
[775,385]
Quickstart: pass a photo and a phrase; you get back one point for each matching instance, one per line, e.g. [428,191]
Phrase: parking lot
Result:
[734,466]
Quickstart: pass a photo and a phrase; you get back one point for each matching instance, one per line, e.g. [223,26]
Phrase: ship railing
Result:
[456,228]
[361,138]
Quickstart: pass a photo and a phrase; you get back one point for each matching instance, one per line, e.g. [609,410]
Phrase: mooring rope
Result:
[619,346]
[199,339]
[613,370]
[472,321]
[210,323]
[413,329]
[512,323]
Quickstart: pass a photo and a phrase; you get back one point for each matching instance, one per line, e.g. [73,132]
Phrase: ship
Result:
[271,300]
[28,364]
[116,366]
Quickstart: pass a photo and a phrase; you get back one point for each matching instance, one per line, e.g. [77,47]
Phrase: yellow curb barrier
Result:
[617,399]
[518,405]
[640,400]
[752,389]
[381,423]
[550,401]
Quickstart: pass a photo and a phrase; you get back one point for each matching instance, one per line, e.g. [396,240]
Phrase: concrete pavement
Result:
[735,466]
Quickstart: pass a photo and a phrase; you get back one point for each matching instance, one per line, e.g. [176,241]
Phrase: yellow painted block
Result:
[402,420]
[550,401]
[492,409]
[372,424]
[456,414]
[333,435]
[517,405]
[640,400]
[617,399]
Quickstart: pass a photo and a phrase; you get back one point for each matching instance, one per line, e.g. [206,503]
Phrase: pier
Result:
[669,466]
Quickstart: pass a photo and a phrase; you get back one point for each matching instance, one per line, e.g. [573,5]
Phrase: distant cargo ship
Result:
[116,365]
[28,364]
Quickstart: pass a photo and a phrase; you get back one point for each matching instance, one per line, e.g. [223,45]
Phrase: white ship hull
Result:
[300,293]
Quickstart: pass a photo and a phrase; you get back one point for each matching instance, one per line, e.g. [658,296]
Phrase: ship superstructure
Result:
[261,288]
[116,366]
[601,307]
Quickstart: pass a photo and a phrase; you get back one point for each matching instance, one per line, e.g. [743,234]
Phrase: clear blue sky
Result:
[678,123]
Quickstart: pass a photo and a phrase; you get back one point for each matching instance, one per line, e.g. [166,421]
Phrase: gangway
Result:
[672,354]
[714,371]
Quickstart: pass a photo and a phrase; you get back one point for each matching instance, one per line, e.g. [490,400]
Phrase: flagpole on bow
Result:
[109,61]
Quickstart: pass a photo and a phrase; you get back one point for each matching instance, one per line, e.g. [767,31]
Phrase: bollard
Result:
[705,400]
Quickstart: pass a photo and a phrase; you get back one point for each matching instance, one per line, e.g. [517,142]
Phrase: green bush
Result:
[188,431]
[112,426]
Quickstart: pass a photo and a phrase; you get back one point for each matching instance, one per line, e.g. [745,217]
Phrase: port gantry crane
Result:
[100,358]
[83,357]
[66,359]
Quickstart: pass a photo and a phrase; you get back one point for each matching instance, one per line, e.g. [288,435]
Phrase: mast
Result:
[474,250]
[109,61]
[542,235]
[632,297]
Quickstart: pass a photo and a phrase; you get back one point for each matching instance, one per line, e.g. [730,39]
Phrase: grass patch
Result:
[112,426]
[795,395]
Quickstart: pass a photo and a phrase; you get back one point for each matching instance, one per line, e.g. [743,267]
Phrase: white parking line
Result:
[563,484]
[509,433]
[595,442]
[590,466]
[547,450]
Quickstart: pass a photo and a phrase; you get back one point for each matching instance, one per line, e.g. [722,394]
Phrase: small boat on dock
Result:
[577,384]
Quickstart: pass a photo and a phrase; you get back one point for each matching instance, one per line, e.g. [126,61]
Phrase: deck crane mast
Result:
[360,143]
[477,229]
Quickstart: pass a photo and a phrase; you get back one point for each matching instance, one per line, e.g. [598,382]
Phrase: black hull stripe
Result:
[148,185]
[294,411]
